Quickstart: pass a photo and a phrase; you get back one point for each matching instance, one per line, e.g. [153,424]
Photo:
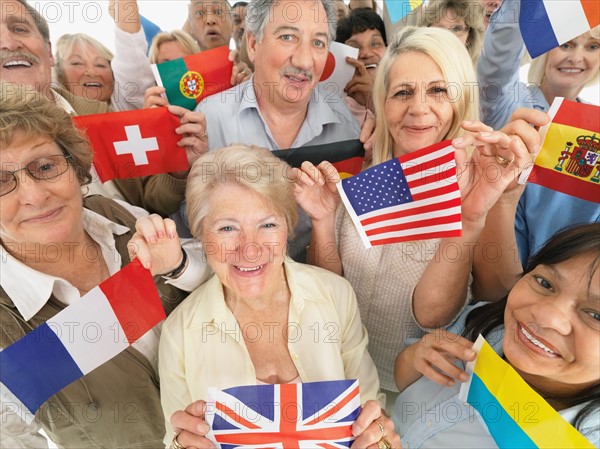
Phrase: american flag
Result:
[309,415]
[413,197]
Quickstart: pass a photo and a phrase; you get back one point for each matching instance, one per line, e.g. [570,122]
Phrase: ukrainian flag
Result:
[516,416]
[400,8]
[569,160]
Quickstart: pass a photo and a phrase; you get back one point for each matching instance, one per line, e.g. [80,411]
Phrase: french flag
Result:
[81,337]
[546,24]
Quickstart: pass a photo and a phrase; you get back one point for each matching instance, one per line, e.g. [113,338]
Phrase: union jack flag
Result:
[310,415]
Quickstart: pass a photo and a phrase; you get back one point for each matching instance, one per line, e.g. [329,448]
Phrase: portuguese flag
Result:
[188,80]
[569,160]
[347,156]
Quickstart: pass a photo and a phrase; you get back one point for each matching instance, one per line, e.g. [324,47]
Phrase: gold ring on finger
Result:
[381,428]
[504,162]
[384,444]
[175,444]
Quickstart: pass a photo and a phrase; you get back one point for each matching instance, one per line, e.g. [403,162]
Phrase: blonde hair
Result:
[453,60]
[184,39]
[65,45]
[537,69]
[248,166]
[26,115]
[468,10]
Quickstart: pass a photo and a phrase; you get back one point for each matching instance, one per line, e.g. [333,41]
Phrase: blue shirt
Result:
[429,415]
[233,117]
[500,91]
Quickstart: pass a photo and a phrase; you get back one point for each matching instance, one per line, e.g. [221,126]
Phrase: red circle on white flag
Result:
[329,67]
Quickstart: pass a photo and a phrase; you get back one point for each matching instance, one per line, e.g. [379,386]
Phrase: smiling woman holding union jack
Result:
[262,319]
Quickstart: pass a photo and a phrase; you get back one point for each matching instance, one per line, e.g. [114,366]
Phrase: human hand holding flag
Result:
[413,197]
[122,309]
[569,161]
[315,414]
[337,71]
[495,385]
[190,79]
[132,144]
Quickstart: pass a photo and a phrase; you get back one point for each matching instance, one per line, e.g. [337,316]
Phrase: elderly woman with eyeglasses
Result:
[463,18]
[55,247]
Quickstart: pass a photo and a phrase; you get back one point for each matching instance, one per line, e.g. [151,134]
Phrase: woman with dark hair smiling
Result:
[547,328]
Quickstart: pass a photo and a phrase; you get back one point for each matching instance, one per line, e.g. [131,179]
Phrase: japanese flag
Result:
[338,72]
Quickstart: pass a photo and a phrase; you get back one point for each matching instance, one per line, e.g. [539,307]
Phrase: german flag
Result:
[347,156]
[188,80]
[569,161]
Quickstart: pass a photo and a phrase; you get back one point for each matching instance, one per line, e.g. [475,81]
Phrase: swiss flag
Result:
[337,71]
[131,144]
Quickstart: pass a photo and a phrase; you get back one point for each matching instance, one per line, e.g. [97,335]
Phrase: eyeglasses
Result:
[41,169]
[457,29]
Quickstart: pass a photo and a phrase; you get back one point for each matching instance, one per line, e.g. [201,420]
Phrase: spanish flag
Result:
[515,415]
[569,160]
[188,80]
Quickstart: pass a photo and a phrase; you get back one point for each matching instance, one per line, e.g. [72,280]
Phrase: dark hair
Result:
[571,242]
[236,4]
[359,21]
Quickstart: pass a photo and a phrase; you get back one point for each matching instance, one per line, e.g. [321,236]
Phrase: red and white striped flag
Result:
[413,197]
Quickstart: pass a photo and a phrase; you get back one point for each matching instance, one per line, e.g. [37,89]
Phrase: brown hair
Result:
[26,114]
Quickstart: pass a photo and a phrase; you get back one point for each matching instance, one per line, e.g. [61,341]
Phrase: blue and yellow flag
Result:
[398,9]
[516,416]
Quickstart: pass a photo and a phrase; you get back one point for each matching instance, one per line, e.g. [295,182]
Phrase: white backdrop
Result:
[91,17]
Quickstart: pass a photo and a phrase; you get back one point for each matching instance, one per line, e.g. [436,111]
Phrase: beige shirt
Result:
[202,346]
[384,279]
[30,289]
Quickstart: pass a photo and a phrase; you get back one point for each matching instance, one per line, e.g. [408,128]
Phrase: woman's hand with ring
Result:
[373,429]
[190,427]
[193,130]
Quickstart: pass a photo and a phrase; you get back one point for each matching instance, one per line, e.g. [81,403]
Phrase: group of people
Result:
[244,248]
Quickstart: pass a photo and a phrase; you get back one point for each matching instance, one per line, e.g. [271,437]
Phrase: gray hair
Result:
[258,12]
[248,166]
[38,19]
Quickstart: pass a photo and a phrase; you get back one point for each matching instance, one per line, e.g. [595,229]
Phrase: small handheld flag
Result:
[131,144]
[190,79]
[569,161]
[337,71]
[413,197]
[398,9]
[504,402]
[546,24]
[121,310]
[315,415]
[347,156]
